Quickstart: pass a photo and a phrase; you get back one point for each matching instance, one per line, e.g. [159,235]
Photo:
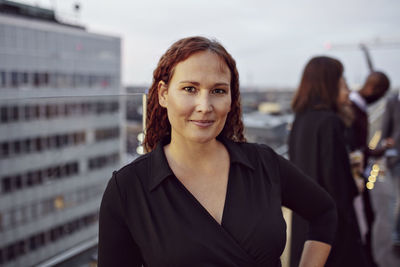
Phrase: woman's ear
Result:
[162,90]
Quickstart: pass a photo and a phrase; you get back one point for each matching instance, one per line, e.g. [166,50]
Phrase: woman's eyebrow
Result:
[197,83]
[192,82]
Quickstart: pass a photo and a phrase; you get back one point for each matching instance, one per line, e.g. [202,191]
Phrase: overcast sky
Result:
[270,40]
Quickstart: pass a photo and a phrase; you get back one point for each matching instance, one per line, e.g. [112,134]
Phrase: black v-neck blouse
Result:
[147,216]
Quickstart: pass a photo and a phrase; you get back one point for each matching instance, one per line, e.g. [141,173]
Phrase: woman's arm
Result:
[304,196]
[116,245]
[314,254]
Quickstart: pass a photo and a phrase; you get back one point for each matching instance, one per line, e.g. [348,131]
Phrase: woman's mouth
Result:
[202,123]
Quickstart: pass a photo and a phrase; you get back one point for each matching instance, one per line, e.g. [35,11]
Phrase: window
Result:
[50,142]
[45,78]
[5,149]
[1,224]
[36,79]
[41,240]
[4,114]
[18,182]
[53,235]
[32,243]
[25,78]
[10,252]
[57,172]
[38,144]
[102,161]
[65,171]
[39,175]
[48,111]
[36,111]
[92,80]
[100,107]
[14,79]
[3,81]
[57,140]
[106,133]
[64,139]
[79,138]
[30,179]
[21,248]
[34,209]
[114,106]
[6,184]
[16,147]
[14,113]
[28,114]
[27,145]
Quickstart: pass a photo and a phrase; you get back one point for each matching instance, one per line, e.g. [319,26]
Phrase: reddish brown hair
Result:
[157,123]
[319,86]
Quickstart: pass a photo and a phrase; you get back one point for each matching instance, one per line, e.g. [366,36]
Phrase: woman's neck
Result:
[193,154]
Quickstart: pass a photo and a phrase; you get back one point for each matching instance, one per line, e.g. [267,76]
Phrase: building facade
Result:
[60,135]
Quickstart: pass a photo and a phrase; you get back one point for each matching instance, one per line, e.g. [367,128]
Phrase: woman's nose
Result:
[204,103]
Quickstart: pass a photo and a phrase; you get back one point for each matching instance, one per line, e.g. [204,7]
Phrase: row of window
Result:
[42,239]
[12,148]
[24,79]
[47,43]
[103,160]
[17,216]
[21,181]
[11,183]
[29,112]
[106,134]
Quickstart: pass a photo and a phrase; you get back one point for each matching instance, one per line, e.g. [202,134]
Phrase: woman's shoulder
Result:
[320,116]
[265,161]
[130,173]
[321,113]
[255,152]
[332,120]
[249,147]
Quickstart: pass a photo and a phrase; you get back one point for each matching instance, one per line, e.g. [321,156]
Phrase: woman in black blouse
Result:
[202,196]
[317,146]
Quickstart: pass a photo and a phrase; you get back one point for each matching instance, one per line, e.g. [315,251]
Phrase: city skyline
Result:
[270,40]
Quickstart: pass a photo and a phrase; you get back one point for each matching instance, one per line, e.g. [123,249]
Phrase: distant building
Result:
[60,134]
[134,117]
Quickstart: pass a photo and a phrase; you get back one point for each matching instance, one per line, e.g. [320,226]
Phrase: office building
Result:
[60,134]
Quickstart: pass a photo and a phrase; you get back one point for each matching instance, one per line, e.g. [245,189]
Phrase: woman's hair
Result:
[157,123]
[319,86]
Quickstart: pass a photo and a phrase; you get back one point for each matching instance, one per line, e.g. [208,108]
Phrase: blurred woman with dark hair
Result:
[317,146]
[202,196]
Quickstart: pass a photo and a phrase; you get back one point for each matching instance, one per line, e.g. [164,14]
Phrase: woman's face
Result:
[343,96]
[197,98]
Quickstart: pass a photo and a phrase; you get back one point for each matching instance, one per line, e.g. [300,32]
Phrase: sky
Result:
[271,41]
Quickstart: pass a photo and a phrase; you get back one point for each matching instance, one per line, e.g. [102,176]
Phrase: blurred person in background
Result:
[317,146]
[202,195]
[374,88]
[391,135]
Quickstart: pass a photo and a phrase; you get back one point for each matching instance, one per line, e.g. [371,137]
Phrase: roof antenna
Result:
[77,9]
[365,50]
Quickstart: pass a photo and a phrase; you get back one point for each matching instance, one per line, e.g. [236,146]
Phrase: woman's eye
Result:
[189,89]
[219,91]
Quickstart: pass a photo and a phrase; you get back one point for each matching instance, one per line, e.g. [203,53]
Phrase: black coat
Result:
[358,133]
[317,146]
